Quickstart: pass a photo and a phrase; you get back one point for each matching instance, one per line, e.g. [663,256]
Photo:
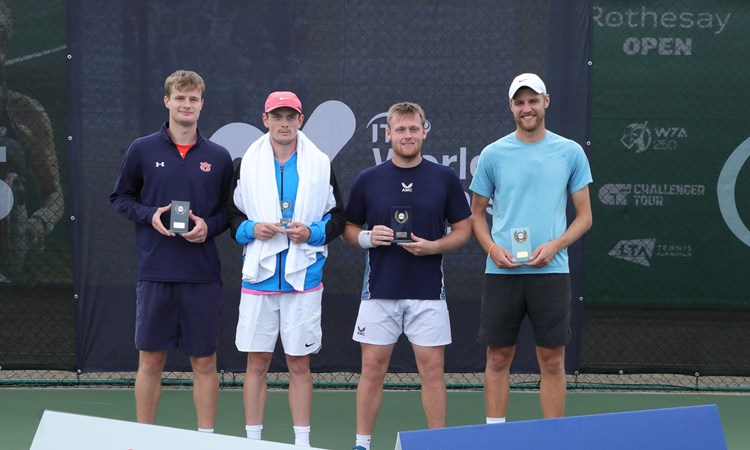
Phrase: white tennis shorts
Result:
[296,316]
[381,322]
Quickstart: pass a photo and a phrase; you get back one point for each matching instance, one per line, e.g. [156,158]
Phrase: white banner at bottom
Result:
[65,431]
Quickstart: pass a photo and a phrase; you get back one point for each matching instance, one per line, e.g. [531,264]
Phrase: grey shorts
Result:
[507,299]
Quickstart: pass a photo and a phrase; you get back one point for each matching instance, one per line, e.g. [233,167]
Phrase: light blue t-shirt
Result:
[529,186]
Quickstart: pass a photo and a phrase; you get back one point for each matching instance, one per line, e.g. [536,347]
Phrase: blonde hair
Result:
[184,79]
[406,109]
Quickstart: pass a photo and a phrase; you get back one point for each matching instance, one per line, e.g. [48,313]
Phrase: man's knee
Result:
[499,358]
[258,363]
[299,366]
[204,365]
[151,362]
[551,360]
[433,376]
[375,361]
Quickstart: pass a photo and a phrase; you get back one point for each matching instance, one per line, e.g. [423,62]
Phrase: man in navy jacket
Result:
[179,291]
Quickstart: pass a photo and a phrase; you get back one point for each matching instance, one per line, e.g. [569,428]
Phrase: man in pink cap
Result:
[286,207]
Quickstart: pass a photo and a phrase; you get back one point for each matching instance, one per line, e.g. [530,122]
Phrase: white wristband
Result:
[364,239]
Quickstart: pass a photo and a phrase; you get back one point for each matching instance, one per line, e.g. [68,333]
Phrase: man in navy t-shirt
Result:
[404,205]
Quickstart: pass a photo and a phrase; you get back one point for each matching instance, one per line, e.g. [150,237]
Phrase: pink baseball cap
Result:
[283,99]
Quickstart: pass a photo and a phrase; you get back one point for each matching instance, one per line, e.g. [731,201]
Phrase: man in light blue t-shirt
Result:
[529,175]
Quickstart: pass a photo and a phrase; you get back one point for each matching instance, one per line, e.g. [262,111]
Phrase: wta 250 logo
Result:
[639,136]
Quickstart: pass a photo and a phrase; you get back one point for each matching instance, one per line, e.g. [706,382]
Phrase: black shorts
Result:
[507,299]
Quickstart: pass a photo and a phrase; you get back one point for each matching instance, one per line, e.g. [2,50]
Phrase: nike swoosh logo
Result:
[309,345]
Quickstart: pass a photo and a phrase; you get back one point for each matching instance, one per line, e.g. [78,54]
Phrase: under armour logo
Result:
[160,164]
[360,330]
[406,187]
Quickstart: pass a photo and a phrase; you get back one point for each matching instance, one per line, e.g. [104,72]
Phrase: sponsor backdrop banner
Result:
[666,277]
[671,190]
[348,62]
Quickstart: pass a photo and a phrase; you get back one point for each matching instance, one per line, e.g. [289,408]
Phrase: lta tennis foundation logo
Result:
[642,251]
[637,251]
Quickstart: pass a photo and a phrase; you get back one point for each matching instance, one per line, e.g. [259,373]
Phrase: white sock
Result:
[206,430]
[495,420]
[363,440]
[253,431]
[301,436]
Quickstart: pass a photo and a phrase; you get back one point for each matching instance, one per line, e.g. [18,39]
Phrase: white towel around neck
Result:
[256,196]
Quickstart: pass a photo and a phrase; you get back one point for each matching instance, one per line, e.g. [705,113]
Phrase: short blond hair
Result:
[184,80]
[406,109]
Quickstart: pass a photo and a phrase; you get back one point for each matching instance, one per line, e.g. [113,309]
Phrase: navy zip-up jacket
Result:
[153,174]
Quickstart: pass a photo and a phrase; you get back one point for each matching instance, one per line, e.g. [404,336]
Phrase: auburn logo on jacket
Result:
[206,167]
